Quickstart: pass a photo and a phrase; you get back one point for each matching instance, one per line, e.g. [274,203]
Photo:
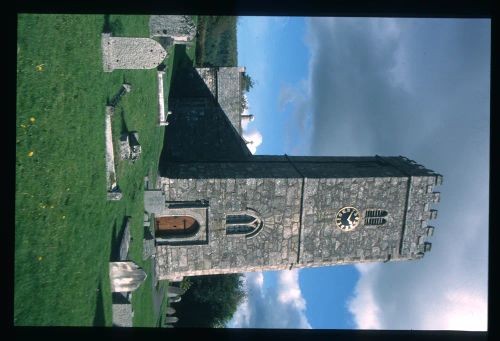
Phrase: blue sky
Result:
[365,86]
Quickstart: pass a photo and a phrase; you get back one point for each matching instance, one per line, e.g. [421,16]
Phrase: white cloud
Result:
[299,122]
[282,306]
[290,293]
[418,88]
[419,305]
[254,138]
[363,306]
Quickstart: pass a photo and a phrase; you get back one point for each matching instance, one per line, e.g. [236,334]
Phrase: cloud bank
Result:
[418,88]
[274,307]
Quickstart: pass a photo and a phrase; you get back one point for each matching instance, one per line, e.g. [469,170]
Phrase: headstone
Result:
[130,53]
[135,147]
[121,309]
[175,290]
[170,311]
[161,100]
[171,319]
[175,299]
[123,90]
[124,246]
[114,195]
[114,192]
[124,147]
[127,87]
[125,276]
[148,249]
[122,315]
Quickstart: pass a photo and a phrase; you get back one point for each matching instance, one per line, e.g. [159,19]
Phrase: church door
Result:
[176,226]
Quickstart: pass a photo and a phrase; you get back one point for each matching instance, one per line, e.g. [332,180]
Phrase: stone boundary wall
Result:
[180,28]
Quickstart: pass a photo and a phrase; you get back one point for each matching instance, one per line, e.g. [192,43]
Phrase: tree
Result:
[210,301]
[247,82]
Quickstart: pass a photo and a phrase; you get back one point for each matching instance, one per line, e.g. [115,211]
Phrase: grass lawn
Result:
[65,227]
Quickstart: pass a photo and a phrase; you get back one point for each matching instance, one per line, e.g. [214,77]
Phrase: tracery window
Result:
[246,223]
[375,217]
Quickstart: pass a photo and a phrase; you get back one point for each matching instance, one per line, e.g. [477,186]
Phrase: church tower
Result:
[218,209]
[285,212]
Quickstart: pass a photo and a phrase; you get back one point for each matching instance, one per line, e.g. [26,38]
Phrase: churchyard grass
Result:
[64,226]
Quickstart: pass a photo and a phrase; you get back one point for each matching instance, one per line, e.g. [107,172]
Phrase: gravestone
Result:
[175,299]
[171,319]
[170,311]
[124,246]
[122,315]
[174,291]
[148,244]
[124,147]
[125,276]
[135,147]
[123,90]
[130,53]
[121,310]
[130,149]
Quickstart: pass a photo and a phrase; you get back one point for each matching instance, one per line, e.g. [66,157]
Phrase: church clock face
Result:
[347,218]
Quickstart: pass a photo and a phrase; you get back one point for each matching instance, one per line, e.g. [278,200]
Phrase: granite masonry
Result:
[216,208]
[296,200]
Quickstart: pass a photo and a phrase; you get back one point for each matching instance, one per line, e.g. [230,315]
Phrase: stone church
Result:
[216,208]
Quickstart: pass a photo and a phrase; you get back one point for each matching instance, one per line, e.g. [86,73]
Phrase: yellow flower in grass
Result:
[64,217]
[40,258]
[30,154]
[39,68]
[32,120]
[23,126]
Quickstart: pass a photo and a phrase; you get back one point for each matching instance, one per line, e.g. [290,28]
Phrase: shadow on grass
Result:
[99,319]
[115,27]
[116,240]
[106,27]
[124,128]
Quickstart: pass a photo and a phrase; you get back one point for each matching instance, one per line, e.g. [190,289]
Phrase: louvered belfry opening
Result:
[375,217]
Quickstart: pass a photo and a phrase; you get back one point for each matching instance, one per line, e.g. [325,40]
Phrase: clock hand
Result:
[349,218]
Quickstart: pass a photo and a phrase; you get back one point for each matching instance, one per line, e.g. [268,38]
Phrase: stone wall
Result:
[199,129]
[275,247]
[322,241]
[229,94]
[298,199]
[178,27]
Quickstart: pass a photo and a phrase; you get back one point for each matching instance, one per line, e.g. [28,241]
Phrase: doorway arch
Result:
[178,226]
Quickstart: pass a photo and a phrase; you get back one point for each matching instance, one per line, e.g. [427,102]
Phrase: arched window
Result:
[246,223]
[375,217]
